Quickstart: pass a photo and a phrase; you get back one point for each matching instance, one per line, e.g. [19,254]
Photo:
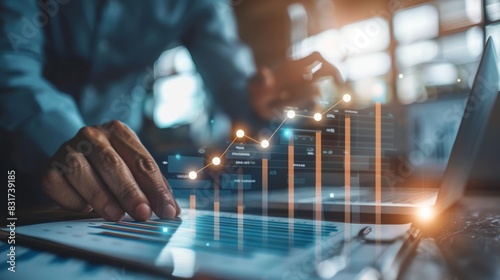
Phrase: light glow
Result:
[264,144]
[425,213]
[290,114]
[216,160]
[318,117]
[346,97]
[240,133]
[192,175]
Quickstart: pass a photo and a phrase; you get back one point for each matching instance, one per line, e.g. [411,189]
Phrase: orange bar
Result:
[265,178]
[378,169]
[347,169]
[347,179]
[216,208]
[318,209]
[240,227]
[378,161]
[291,181]
[192,213]
[240,209]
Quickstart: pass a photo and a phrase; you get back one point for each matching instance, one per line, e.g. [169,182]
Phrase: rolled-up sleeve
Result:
[36,116]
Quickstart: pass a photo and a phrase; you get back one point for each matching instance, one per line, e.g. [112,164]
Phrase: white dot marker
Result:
[264,144]
[317,117]
[216,160]
[192,175]
[346,97]
[290,114]
[165,229]
[401,76]
[332,195]
[458,80]
[240,133]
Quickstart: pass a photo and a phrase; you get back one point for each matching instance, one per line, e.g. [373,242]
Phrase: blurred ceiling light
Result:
[493,9]
[474,37]
[463,47]
[473,10]
[416,24]
[440,74]
[416,53]
[370,35]
[367,66]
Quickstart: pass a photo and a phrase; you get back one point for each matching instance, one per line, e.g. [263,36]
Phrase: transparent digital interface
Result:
[293,151]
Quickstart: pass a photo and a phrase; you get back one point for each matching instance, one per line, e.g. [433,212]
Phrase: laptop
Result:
[475,123]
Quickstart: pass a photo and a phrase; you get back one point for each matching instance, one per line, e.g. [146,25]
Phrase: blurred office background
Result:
[416,57]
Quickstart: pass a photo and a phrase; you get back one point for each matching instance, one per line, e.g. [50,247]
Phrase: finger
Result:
[177,207]
[116,175]
[60,191]
[86,182]
[326,68]
[144,169]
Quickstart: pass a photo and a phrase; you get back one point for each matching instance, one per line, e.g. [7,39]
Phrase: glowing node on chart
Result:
[425,213]
[165,229]
[240,133]
[332,195]
[216,160]
[264,144]
[346,97]
[318,117]
[192,175]
[290,114]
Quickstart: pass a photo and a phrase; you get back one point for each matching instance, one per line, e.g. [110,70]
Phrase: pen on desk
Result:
[312,69]
[392,261]
[331,266]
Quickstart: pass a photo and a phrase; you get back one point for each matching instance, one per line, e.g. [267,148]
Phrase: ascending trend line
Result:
[290,114]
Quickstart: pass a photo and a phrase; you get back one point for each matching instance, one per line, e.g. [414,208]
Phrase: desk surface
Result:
[463,243]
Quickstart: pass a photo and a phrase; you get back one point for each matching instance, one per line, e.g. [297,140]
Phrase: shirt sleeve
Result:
[36,116]
[223,61]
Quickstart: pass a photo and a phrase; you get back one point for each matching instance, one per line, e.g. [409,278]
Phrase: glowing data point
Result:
[318,117]
[192,175]
[240,133]
[401,76]
[290,114]
[165,229]
[346,97]
[332,195]
[264,144]
[458,80]
[216,160]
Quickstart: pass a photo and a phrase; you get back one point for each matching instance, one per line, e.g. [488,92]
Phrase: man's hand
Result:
[106,168]
[289,85]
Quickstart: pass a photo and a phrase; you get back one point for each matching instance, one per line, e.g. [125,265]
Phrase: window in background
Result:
[492,22]
[493,9]
[438,47]
[416,24]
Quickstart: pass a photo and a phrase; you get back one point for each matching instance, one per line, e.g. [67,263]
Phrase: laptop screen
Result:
[476,122]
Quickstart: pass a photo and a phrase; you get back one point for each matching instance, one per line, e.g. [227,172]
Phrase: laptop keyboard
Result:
[233,235]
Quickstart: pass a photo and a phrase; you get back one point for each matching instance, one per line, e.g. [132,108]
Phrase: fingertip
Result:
[142,212]
[169,212]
